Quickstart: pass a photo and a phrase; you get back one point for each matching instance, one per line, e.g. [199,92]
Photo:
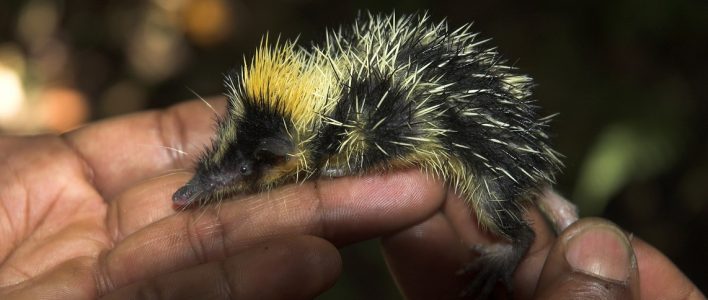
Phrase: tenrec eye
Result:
[245,170]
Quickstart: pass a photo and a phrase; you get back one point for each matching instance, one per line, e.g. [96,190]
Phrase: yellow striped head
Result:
[275,105]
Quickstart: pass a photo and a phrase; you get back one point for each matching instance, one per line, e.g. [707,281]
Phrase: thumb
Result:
[592,259]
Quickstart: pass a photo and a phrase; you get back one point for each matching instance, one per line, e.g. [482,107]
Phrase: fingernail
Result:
[601,251]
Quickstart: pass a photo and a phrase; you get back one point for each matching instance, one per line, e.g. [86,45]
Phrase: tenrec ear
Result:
[273,150]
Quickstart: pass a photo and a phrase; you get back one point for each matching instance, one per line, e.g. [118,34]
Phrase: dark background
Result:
[628,78]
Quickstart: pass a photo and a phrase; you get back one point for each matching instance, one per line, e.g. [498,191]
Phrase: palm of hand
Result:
[61,210]
[55,217]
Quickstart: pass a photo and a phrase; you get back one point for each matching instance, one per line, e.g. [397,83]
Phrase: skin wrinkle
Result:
[592,289]
[49,209]
[18,239]
[18,272]
[160,118]
[89,206]
[198,237]
[320,226]
[314,222]
[115,226]
[27,209]
[102,277]
[322,215]
[98,241]
[88,170]
[6,216]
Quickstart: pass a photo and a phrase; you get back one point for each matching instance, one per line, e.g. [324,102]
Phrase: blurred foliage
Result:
[628,78]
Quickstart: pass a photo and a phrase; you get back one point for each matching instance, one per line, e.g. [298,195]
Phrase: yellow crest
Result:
[294,82]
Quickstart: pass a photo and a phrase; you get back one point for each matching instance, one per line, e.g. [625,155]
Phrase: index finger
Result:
[124,150]
[341,210]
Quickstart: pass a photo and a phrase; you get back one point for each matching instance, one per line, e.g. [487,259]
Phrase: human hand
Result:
[88,215]
[591,259]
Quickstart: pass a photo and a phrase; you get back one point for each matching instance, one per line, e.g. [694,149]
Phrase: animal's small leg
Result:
[497,262]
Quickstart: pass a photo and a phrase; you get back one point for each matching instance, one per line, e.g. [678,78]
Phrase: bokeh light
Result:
[12,95]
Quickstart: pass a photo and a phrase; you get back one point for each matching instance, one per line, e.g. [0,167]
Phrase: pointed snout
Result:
[187,195]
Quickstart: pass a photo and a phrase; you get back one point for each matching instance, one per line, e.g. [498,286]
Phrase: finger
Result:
[659,277]
[287,268]
[425,259]
[407,192]
[592,259]
[125,150]
[340,210]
